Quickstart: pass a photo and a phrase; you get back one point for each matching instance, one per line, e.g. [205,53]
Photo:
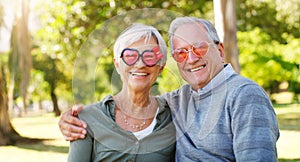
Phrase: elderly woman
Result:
[132,125]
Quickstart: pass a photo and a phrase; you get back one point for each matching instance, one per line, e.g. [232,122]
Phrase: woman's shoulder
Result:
[97,107]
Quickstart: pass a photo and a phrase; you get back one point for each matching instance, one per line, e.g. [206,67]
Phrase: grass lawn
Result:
[289,123]
[45,127]
[56,148]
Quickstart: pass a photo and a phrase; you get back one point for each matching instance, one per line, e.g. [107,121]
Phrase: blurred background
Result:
[56,53]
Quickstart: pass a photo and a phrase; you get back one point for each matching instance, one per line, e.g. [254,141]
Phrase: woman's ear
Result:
[161,69]
[116,63]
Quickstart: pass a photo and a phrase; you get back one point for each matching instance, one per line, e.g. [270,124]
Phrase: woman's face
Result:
[139,77]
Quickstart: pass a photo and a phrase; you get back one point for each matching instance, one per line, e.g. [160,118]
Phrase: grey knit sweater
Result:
[230,119]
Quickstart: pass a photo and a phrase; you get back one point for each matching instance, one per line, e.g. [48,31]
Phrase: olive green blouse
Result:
[106,141]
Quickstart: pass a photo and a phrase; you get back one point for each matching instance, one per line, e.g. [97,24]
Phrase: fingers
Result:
[68,118]
[76,109]
[71,127]
[72,133]
[79,108]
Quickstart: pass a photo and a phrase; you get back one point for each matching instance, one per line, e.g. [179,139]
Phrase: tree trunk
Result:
[7,132]
[40,105]
[24,42]
[55,104]
[225,19]
[8,135]
[10,89]
[25,106]
[20,45]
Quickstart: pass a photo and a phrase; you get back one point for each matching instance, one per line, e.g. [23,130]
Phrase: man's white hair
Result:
[212,33]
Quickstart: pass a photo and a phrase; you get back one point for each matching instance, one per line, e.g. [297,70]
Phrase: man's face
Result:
[198,71]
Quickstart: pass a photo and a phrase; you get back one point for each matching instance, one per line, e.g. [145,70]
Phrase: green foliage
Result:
[266,61]
[272,18]
[48,75]
[39,89]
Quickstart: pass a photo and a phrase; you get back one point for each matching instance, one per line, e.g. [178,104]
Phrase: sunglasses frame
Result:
[140,55]
[192,49]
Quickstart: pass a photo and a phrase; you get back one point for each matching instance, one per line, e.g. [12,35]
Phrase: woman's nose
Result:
[139,63]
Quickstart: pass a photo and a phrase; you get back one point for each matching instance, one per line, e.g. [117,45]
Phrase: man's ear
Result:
[222,51]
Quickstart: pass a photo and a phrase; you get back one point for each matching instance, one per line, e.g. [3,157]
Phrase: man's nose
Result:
[192,57]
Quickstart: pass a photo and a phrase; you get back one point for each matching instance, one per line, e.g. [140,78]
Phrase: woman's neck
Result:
[136,98]
[133,103]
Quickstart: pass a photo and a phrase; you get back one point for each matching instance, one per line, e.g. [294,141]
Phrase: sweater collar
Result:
[219,79]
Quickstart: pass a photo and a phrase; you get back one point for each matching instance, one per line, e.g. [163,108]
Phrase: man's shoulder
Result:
[240,81]
[242,85]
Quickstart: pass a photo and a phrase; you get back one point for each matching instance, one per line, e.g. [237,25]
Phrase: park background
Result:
[41,42]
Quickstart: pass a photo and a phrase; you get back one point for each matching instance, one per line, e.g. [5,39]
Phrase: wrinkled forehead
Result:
[190,33]
[144,44]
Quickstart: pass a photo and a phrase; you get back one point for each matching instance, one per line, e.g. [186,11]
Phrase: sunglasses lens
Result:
[149,58]
[200,49]
[130,56]
[180,55]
